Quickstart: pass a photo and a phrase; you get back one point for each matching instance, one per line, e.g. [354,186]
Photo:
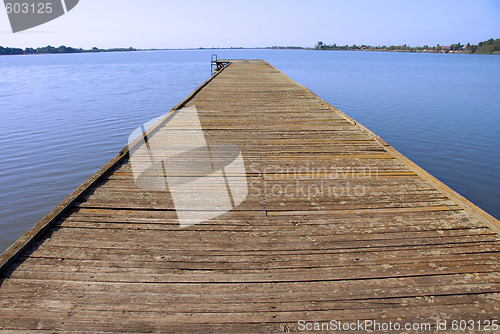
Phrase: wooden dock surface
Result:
[379,239]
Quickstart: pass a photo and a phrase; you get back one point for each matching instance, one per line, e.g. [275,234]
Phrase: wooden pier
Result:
[337,226]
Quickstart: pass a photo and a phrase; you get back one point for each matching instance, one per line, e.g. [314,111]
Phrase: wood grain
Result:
[404,247]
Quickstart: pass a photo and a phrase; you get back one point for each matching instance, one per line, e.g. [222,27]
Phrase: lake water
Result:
[64,116]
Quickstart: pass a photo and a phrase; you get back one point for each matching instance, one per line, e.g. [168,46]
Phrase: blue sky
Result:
[197,23]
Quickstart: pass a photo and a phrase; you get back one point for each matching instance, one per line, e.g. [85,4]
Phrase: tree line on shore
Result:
[53,50]
[491,46]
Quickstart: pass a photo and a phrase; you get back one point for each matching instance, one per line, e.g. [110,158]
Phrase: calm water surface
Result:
[64,116]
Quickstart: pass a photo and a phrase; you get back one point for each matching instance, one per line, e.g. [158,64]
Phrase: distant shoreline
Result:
[7,51]
[491,46]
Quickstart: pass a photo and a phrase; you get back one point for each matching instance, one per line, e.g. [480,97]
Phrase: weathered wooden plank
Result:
[134,255]
[248,262]
[298,228]
[154,321]
[197,304]
[350,289]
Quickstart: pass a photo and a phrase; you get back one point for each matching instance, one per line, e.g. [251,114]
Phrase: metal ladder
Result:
[213,64]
